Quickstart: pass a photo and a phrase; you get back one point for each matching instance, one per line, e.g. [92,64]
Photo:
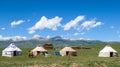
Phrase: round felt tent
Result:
[68,51]
[108,51]
[39,51]
[12,50]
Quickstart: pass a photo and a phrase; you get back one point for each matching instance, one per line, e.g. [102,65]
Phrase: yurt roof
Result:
[108,48]
[12,47]
[67,49]
[39,48]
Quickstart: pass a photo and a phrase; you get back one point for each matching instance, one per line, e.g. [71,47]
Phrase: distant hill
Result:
[56,41]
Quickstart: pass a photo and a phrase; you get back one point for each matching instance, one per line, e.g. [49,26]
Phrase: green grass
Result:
[85,58]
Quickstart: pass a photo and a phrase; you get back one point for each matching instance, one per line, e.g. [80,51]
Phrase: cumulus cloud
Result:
[14,38]
[28,20]
[80,33]
[31,31]
[84,39]
[87,25]
[73,23]
[119,36]
[36,36]
[14,23]
[75,34]
[44,22]
[112,27]
[3,28]
[48,37]
[118,32]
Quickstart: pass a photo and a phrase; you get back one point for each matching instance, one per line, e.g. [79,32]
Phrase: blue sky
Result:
[76,19]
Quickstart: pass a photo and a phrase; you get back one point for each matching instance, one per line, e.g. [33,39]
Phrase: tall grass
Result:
[84,58]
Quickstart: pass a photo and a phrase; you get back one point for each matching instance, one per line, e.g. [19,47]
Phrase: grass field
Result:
[85,58]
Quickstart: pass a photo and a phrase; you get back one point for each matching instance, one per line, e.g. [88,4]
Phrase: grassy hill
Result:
[84,58]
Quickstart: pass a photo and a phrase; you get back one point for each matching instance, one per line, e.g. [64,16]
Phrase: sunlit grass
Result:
[84,58]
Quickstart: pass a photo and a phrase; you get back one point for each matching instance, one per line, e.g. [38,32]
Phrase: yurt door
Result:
[111,54]
[14,53]
[67,53]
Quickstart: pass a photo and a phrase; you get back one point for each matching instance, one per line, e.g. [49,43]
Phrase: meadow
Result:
[84,58]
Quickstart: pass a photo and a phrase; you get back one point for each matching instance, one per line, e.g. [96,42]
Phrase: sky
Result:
[74,19]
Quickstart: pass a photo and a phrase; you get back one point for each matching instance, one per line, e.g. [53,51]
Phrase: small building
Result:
[108,51]
[39,51]
[68,51]
[48,46]
[11,50]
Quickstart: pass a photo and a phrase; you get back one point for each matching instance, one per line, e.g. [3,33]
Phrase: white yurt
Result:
[108,51]
[39,51]
[12,50]
[68,51]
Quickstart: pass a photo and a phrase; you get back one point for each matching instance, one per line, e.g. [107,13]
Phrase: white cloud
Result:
[36,36]
[14,23]
[75,34]
[1,36]
[3,28]
[46,23]
[75,38]
[48,37]
[112,27]
[87,25]
[80,33]
[18,38]
[119,36]
[28,20]
[84,39]
[14,38]
[31,31]
[73,23]
[118,32]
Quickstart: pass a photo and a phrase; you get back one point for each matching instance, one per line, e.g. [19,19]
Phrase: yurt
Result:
[39,51]
[68,51]
[108,51]
[12,50]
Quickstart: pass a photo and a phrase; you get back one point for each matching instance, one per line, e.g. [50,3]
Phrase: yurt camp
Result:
[39,51]
[108,51]
[68,51]
[12,50]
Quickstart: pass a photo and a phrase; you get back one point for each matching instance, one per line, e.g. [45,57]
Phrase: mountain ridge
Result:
[56,41]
